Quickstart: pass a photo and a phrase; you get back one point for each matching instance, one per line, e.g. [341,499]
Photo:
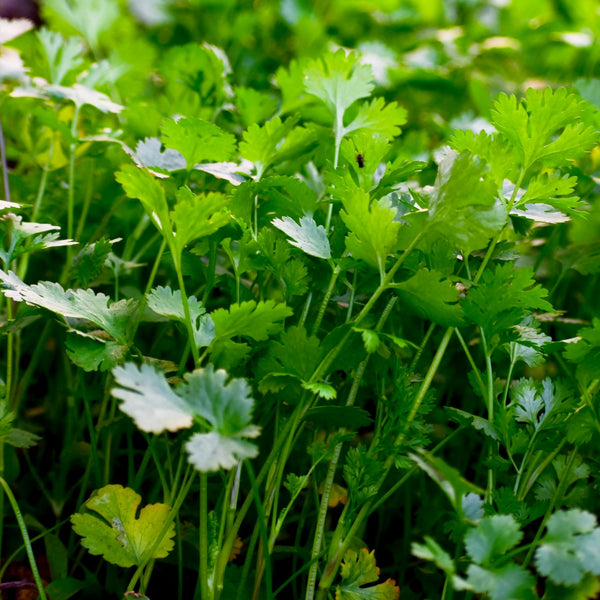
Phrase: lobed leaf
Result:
[110,528]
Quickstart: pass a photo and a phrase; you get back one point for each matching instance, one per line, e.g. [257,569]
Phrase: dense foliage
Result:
[300,300]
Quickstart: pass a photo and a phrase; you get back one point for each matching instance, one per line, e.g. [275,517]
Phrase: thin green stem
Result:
[25,536]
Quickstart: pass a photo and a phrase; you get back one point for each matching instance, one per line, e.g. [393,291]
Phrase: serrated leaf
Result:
[502,299]
[261,144]
[296,353]
[90,18]
[111,528]
[510,582]
[492,538]
[478,423]
[432,551]
[93,354]
[213,451]
[91,260]
[205,396]
[249,319]
[80,304]
[570,548]
[529,347]
[358,569]
[321,389]
[370,339]
[531,125]
[308,236]
[339,80]
[378,118]
[149,400]
[432,296]
[495,150]
[197,216]
[373,228]
[466,196]
[168,303]
[535,404]
[585,352]
[139,184]
[197,140]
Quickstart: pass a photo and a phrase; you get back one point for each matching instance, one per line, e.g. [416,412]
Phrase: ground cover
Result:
[299,300]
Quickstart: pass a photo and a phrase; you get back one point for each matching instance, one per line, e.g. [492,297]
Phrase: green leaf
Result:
[254,106]
[492,537]
[585,353]
[432,551]
[296,353]
[502,299]
[90,262]
[12,435]
[197,216]
[109,527]
[510,582]
[141,185]
[249,319]
[168,303]
[553,189]
[93,354]
[63,55]
[339,80]
[323,390]
[80,304]
[432,296]
[370,339]
[534,405]
[544,126]
[378,118]
[205,396]
[529,347]
[465,196]
[494,149]
[358,569]
[570,548]
[363,474]
[197,140]
[373,228]
[451,482]
[308,236]
[586,589]
[262,144]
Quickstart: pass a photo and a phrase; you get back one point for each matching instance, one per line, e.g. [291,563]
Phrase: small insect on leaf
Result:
[360,161]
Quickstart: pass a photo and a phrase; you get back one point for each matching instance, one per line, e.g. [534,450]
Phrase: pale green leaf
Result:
[339,80]
[492,537]
[308,236]
[213,451]
[113,318]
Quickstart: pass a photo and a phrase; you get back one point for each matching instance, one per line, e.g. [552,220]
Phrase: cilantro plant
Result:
[297,306]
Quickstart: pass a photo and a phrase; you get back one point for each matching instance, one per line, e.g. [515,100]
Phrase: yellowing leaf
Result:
[358,569]
[109,527]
